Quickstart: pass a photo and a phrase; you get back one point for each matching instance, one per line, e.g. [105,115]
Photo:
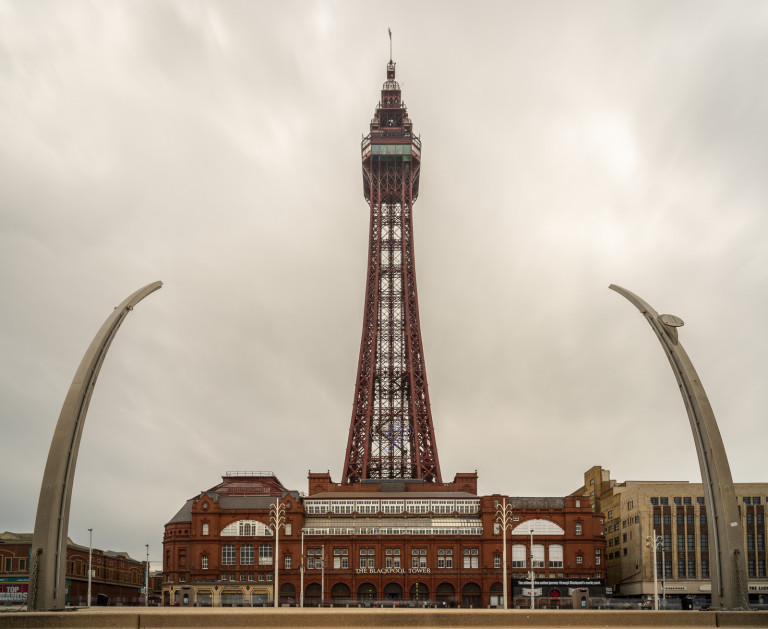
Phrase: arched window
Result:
[445,594]
[470,595]
[366,592]
[538,556]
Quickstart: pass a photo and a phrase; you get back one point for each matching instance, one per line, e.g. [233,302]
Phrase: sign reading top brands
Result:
[12,593]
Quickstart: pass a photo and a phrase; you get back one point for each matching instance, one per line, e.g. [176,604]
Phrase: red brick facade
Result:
[118,579]
[381,543]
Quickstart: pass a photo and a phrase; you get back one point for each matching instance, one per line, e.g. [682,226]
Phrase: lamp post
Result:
[533,576]
[654,543]
[322,575]
[301,572]
[277,518]
[504,520]
[146,580]
[90,563]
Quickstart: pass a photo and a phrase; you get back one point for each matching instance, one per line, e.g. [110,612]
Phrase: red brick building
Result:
[117,579]
[382,543]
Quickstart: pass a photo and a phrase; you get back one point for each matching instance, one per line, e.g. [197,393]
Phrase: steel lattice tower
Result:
[391,435]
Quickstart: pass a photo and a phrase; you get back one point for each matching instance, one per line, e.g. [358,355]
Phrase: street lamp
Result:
[533,576]
[146,580]
[90,563]
[322,575]
[301,572]
[504,520]
[277,518]
[655,543]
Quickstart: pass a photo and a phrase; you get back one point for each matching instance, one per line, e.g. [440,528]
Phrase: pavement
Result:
[215,618]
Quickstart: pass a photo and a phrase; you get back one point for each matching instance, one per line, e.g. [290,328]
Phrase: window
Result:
[755,500]
[704,540]
[496,561]
[700,500]
[681,568]
[578,528]
[578,502]
[579,559]
[667,519]
[691,544]
[664,500]
[747,501]
[677,500]
[518,556]
[750,542]
[205,528]
[22,564]
[680,518]
[703,518]
[750,518]
[668,568]
[751,572]
[228,555]
[265,555]
[686,500]
[556,556]
[287,562]
[667,541]
[538,556]
[470,557]
[761,568]
[759,518]
[654,501]
[689,519]
[445,557]
[657,518]
[204,562]
[246,555]
[287,528]
[760,541]
[597,555]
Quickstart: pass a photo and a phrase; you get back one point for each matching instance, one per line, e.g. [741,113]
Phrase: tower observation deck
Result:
[391,434]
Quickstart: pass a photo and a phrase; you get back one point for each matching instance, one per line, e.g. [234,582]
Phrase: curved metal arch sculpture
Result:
[728,572]
[49,541]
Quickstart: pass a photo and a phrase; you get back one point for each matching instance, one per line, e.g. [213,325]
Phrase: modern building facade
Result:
[117,579]
[675,511]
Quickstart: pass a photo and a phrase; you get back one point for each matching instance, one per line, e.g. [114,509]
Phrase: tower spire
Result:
[391,434]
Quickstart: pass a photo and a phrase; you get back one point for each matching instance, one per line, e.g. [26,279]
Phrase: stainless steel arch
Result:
[728,572]
[49,542]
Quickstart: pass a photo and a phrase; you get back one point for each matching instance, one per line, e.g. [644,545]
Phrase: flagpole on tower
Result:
[390,44]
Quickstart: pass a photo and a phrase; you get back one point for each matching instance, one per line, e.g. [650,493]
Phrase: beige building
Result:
[675,511]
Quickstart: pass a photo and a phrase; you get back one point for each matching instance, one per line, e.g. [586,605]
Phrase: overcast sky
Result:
[216,146]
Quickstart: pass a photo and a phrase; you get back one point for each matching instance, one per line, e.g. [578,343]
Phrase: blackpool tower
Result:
[391,435]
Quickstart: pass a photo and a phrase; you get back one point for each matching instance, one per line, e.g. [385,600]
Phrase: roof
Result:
[354,495]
